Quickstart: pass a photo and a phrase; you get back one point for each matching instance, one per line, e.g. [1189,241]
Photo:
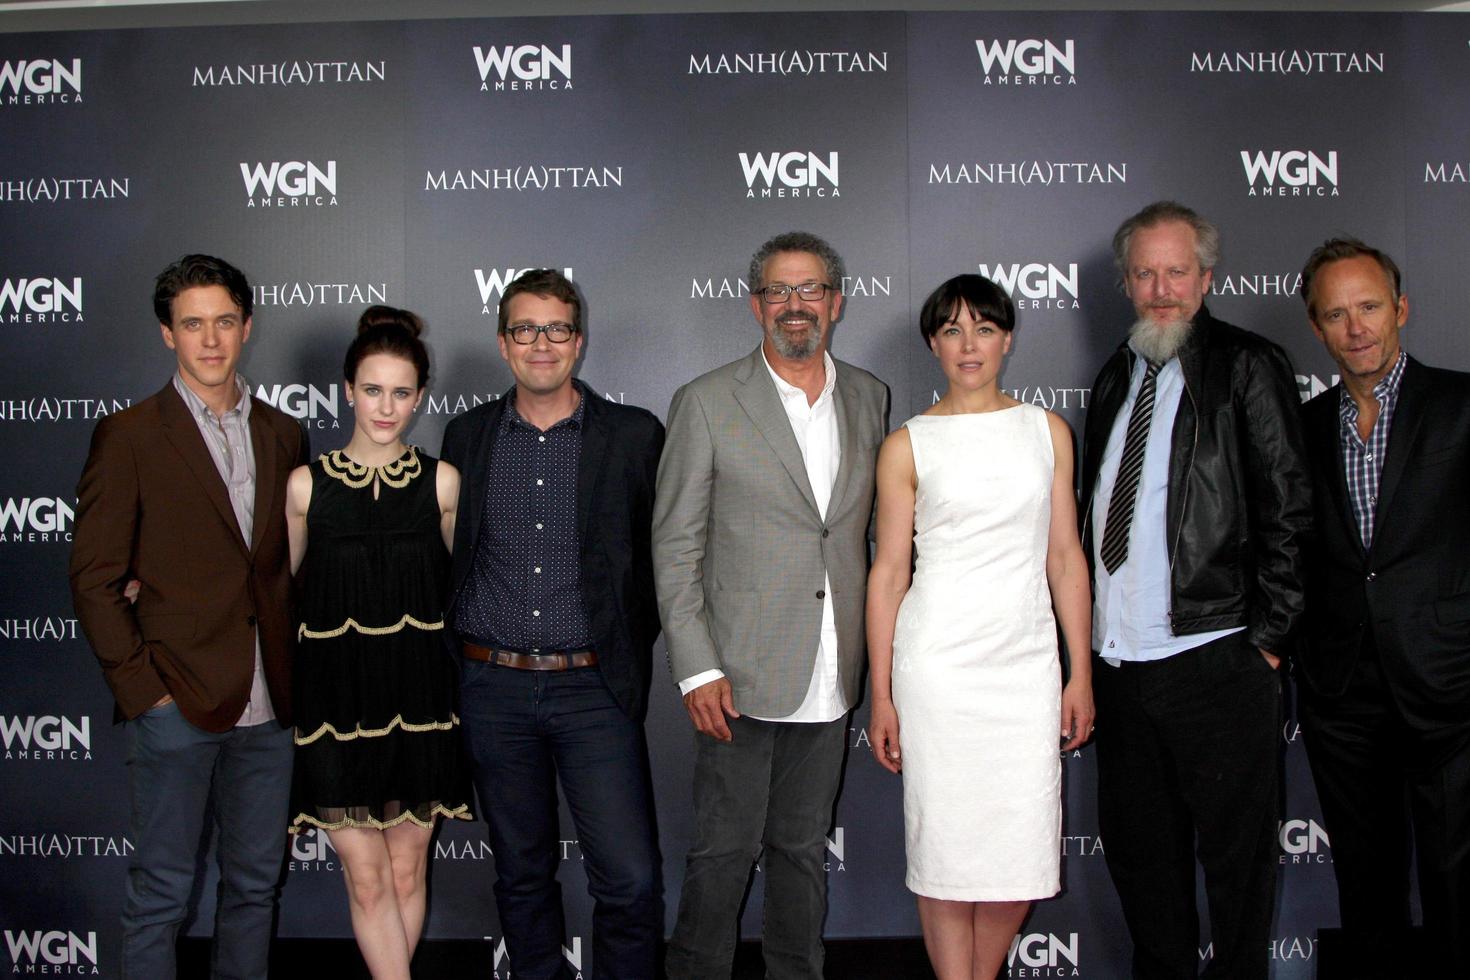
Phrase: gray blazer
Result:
[739,548]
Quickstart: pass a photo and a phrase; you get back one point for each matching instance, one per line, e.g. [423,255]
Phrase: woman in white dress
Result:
[963,650]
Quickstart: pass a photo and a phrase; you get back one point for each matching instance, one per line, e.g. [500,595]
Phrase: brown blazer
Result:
[151,505]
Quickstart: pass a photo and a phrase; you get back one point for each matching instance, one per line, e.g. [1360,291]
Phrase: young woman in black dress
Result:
[378,748]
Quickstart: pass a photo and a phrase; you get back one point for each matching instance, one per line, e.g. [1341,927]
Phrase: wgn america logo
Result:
[1309,386]
[1287,61]
[36,520]
[492,282]
[51,952]
[1043,954]
[1447,172]
[315,408]
[836,859]
[48,408]
[524,68]
[1290,173]
[312,850]
[500,965]
[1034,285]
[1031,61]
[293,184]
[45,82]
[46,738]
[1303,842]
[793,173]
[737,288]
[1267,284]
[54,190]
[43,299]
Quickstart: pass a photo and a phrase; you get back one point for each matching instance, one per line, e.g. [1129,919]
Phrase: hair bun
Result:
[387,317]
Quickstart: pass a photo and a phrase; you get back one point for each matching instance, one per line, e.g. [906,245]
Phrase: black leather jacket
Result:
[1239,499]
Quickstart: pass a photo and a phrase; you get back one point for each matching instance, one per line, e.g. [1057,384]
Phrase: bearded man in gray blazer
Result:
[760,524]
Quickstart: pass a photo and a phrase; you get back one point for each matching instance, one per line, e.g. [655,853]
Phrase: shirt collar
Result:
[1386,389]
[788,391]
[512,418]
[197,408]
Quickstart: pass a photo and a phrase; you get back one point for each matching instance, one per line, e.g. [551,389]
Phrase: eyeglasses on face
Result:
[779,292]
[525,333]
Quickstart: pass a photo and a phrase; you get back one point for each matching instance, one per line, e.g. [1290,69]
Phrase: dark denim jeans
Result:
[525,729]
[173,769]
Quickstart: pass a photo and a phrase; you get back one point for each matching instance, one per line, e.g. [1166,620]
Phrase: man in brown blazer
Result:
[184,493]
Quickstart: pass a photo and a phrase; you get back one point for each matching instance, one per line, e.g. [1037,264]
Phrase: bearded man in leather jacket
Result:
[1195,501]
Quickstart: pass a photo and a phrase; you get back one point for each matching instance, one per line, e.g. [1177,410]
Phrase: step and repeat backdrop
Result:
[424,164]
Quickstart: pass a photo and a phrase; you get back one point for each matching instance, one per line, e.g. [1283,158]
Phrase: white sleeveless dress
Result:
[976,676]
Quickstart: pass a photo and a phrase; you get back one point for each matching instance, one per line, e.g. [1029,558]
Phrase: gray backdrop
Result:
[422,164]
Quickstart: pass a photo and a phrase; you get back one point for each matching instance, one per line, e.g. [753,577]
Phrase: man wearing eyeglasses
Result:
[760,551]
[551,601]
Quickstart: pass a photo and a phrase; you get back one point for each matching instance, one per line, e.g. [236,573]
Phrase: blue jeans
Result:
[524,729]
[173,769]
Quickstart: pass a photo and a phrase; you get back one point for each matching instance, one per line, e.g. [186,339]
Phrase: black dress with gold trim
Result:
[377,737]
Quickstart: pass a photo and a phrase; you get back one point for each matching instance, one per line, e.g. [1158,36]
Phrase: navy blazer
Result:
[1409,593]
[615,482]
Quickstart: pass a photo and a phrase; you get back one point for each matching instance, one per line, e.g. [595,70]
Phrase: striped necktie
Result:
[1125,489]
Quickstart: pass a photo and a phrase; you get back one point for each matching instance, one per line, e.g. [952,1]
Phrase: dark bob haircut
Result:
[983,298]
[199,270]
[386,330]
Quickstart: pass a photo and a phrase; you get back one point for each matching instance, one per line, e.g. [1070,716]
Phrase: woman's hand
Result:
[1078,714]
[883,733]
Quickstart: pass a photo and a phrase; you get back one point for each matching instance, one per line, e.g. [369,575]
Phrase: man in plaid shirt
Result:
[1384,652]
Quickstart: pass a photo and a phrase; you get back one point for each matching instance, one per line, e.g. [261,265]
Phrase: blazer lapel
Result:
[1331,439]
[1407,415]
[477,473]
[590,463]
[845,407]
[758,397]
[183,434]
[267,458]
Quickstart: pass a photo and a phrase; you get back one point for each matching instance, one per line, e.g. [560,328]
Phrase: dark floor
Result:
[338,959]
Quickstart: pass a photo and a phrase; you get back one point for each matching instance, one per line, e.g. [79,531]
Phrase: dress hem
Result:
[461,812]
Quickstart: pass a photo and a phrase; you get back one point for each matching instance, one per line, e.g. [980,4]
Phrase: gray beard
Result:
[1158,342]
[794,350]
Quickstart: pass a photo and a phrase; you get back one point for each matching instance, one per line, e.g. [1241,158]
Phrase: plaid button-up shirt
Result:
[1362,459]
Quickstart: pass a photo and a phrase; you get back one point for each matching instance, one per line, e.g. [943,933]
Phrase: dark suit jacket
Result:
[1409,594]
[151,505]
[615,477]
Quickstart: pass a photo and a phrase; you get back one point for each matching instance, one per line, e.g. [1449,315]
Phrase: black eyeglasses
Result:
[779,292]
[525,333]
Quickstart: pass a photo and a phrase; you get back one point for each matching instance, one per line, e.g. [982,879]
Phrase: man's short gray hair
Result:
[1206,235]
[796,241]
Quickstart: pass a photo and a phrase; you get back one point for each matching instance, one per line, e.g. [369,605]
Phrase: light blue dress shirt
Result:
[1130,608]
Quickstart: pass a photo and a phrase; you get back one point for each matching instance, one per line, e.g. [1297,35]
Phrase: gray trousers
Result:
[173,769]
[771,789]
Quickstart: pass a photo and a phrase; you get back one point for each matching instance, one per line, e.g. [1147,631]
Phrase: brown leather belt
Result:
[558,660]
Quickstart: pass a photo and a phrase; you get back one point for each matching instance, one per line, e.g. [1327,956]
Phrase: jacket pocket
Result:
[1452,609]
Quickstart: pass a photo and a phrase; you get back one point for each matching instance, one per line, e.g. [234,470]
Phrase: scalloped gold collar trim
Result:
[339,466]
